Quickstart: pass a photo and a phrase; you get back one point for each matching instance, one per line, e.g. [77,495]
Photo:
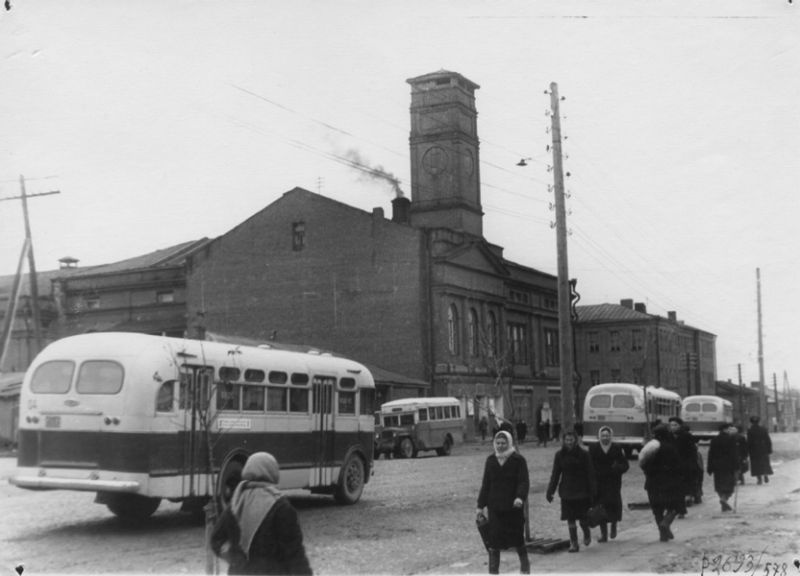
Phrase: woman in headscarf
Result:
[661,464]
[258,533]
[573,476]
[503,492]
[610,464]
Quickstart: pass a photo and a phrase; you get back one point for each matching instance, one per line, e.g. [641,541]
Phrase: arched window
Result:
[452,329]
[472,332]
[491,333]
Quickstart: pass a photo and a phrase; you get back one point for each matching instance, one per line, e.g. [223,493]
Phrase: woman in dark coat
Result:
[609,464]
[687,453]
[759,445]
[258,533]
[662,469]
[573,476]
[723,463]
[503,492]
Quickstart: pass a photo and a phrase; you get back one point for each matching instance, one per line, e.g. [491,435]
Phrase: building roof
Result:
[609,313]
[171,256]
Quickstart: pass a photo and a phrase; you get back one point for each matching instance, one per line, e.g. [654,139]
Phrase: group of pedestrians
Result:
[259,533]
[590,480]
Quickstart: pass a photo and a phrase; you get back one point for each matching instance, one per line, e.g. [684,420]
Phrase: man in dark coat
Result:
[741,446]
[503,492]
[662,469]
[573,476]
[759,445]
[610,463]
[723,464]
[687,453]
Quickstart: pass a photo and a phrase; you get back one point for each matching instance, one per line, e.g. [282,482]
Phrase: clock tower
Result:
[445,179]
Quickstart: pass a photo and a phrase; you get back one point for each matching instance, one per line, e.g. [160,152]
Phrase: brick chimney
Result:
[400,206]
[672,316]
[640,307]
[626,303]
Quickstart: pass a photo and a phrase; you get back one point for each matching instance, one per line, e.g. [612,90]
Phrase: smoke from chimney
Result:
[373,172]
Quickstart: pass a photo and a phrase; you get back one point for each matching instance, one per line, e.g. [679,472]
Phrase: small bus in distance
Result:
[622,407]
[411,425]
[705,414]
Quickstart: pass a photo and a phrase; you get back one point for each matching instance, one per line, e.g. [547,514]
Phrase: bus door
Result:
[196,396]
[322,431]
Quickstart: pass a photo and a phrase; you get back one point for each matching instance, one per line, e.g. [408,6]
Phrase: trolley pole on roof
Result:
[566,352]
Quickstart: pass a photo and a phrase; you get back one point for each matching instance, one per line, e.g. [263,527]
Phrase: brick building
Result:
[421,293]
[623,343]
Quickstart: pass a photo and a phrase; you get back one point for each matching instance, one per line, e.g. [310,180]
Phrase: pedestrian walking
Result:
[687,454]
[573,476]
[662,467]
[723,464]
[544,417]
[741,447]
[483,426]
[522,431]
[503,492]
[258,532]
[759,447]
[610,463]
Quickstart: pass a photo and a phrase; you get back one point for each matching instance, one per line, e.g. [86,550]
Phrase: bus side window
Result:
[423,414]
[165,399]
[276,399]
[440,412]
[406,420]
[367,401]
[298,400]
[253,398]
[228,396]
[347,396]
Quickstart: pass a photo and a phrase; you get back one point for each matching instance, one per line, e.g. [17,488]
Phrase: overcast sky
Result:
[161,122]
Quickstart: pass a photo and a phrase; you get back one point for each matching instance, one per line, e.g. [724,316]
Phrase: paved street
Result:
[416,517]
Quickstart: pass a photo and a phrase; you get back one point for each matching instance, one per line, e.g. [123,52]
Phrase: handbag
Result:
[482,523]
[596,515]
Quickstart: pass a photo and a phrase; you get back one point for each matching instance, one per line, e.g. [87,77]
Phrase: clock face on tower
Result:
[435,161]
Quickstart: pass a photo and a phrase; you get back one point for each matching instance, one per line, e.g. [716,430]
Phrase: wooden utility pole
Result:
[777,404]
[34,289]
[762,409]
[564,319]
[741,399]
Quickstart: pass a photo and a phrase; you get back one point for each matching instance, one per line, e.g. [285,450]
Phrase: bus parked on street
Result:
[137,418]
[622,407]
[411,425]
[705,414]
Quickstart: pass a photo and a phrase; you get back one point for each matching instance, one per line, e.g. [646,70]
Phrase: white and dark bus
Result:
[705,414]
[138,418]
[623,408]
[411,425]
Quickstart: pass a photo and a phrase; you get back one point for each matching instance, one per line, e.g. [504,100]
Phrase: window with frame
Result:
[423,414]
[165,398]
[366,405]
[347,396]
[453,329]
[615,344]
[616,375]
[298,400]
[518,341]
[165,297]
[54,377]
[636,340]
[551,353]
[228,396]
[491,333]
[99,377]
[594,343]
[253,398]
[277,399]
[298,235]
[472,332]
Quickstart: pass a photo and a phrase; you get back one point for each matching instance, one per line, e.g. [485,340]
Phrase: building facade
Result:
[421,293]
[623,343]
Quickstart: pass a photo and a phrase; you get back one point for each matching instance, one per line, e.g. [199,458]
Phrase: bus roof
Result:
[623,387]
[412,403]
[97,345]
[706,398]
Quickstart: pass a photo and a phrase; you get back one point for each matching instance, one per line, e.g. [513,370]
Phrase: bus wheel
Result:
[229,477]
[407,449]
[131,506]
[446,447]
[351,481]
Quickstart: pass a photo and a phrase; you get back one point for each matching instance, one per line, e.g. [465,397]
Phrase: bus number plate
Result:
[601,417]
[52,422]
